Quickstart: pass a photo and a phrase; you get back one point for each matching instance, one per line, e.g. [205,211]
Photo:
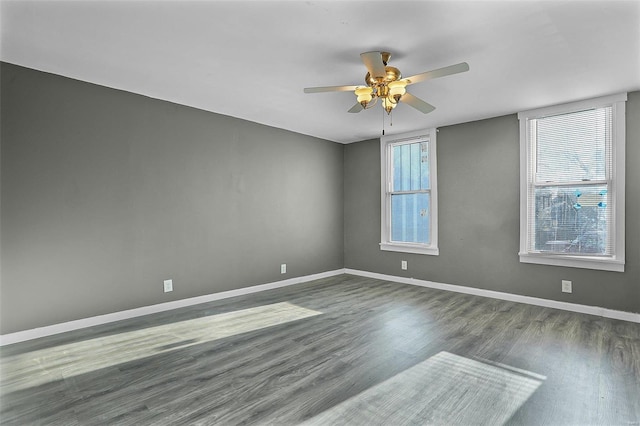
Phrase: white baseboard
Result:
[35,333]
[566,306]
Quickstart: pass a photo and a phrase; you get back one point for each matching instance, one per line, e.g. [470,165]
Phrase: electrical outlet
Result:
[168,286]
[403,265]
[283,268]
[566,286]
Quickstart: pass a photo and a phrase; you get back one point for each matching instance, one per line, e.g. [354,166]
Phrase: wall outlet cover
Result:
[168,286]
[566,286]
[403,265]
[283,268]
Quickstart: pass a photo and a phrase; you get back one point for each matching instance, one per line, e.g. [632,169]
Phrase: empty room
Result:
[319,212]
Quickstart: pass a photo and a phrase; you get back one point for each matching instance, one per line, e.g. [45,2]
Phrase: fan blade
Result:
[374,64]
[356,108]
[440,72]
[330,89]
[417,103]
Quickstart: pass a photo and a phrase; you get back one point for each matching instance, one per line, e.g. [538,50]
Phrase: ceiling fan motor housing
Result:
[392,74]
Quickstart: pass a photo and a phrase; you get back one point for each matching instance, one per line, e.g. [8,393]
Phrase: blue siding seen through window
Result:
[410,218]
[410,215]
[411,167]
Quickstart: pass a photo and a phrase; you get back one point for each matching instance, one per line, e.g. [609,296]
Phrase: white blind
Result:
[569,188]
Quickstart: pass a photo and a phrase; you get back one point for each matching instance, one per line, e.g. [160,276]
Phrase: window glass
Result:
[409,193]
[572,219]
[410,218]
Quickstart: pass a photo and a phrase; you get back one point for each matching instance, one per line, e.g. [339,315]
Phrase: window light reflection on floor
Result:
[38,367]
[443,389]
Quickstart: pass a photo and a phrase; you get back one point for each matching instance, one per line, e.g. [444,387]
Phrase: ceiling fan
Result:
[385,83]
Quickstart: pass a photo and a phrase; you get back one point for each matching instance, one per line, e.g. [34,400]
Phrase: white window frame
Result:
[616,261]
[386,142]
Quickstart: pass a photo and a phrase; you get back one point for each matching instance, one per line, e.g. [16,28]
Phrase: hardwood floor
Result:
[342,350]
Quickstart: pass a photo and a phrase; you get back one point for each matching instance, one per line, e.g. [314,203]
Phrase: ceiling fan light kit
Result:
[364,95]
[385,82]
[397,89]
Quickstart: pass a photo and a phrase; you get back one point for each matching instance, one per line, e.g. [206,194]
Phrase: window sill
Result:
[585,262]
[410,248]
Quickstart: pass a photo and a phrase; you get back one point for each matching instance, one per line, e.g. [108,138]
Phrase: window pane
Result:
[572,147]
[424,165]
[405,167]
[411,167]
[410,218]
[572,219]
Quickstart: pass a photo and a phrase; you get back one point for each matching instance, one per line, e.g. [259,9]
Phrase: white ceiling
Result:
[252,59]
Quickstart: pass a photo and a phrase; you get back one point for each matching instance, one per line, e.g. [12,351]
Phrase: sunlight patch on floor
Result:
[38,367]
[444,389]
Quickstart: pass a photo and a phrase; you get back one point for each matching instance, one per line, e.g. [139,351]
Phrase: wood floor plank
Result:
[341,350]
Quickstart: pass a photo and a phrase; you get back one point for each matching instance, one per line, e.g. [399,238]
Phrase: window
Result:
[409,193]
[572,184]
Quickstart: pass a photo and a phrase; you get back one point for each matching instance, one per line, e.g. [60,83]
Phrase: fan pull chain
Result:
[390,114]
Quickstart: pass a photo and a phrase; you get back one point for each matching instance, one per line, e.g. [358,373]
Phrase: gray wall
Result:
[478,188]
[106,193]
